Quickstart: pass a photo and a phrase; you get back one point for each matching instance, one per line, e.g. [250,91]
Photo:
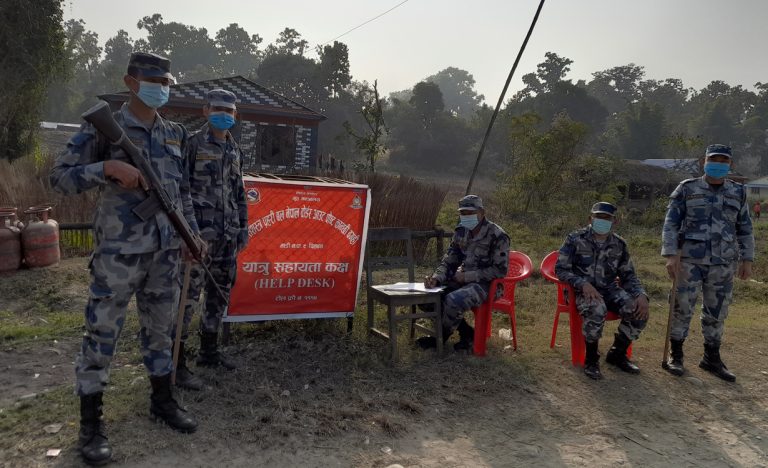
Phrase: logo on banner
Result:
[253,196]
[357,203]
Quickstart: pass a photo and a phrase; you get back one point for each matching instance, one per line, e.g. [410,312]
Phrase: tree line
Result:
[434,126]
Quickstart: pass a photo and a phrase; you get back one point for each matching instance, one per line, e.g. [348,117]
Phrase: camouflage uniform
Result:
[130,255]
[219,203]
[483,258]
[716,232]
[583,260]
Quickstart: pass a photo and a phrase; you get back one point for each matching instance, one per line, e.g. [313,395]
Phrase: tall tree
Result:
[617,87]
[427,100]
[32,55]
[192,52]
[458,89]
[117,50]
[334,68]
[548,74]
[238,51]
[642,131]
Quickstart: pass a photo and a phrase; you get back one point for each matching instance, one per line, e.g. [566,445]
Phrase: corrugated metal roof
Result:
[252,98]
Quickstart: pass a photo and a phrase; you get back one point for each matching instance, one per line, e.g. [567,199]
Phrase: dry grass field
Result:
[308,394]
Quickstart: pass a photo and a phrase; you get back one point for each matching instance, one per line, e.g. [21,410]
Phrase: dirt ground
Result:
[308,394]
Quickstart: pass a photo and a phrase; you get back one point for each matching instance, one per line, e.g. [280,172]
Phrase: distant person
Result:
[595,261]
[711,216]
[218,196]
[756,209]
[130,256]
[478,254]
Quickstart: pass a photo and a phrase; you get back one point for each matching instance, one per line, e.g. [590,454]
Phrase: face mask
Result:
[154,95]
[716,170]
[468,221]
[221,120]
[601,226]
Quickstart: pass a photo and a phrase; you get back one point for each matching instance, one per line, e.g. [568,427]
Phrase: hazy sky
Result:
[695,40]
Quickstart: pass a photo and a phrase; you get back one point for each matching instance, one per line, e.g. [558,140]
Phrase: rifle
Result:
[100,116]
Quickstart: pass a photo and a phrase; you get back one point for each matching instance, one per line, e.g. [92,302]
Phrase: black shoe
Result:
[617,355]
[592,371]
[209,355]
[184,377]
[592,361]
[711,362]
[165,408]
[94,445]
[674,364]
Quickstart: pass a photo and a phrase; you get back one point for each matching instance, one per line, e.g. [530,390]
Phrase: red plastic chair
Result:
[520,267]
[566,303]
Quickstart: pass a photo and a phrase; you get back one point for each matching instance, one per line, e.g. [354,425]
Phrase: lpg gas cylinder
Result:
[10,243]
[40,238]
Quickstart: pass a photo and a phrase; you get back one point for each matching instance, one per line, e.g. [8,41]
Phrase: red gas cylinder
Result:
[10,242]
[14,216]
[40,238]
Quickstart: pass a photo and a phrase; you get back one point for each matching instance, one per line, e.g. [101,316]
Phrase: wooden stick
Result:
[672,303]
[180,319]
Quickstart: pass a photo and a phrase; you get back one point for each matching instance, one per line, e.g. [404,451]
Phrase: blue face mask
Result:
[221,120]
[468,221]
[716,170]
[601,226]
[154,95]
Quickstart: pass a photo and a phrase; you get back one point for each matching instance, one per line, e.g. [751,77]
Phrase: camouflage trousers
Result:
[154,279]
[460,300]
[716,285]
[223,267]
[594,314]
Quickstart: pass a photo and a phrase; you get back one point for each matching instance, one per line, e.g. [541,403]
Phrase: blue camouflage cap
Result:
[604,208]
[149,64]
[718,149]
[471,202]
[221,98]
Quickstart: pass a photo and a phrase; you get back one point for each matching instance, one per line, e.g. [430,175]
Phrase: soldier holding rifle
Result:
[137,248]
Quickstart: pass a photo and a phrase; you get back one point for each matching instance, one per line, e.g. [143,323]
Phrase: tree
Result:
[238,51]
[32,55]
[643,131]
[548,73]
[334,68]
[192,52]
[458,89]
[117,51]
[538,164]
[617,87]
[370,140]
[427,100]
[288,42]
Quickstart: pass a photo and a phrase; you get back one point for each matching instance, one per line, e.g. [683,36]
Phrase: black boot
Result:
[466,337]
[164,407]
[592,361]
[184,377]
[94,445]
[209,355]
[430,342]
[617,355]
[711,362]
[675,363]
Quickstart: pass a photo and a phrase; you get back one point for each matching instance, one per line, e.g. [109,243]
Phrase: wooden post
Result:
[439,246]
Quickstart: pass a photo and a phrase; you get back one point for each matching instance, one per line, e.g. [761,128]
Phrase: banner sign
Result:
[304,253]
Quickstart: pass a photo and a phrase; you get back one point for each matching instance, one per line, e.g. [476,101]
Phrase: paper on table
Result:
[411,287]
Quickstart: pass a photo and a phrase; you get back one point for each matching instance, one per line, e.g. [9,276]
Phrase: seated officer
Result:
[591,259]
[478,254]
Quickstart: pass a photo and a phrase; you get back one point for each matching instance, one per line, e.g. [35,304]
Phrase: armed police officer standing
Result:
[131,255]
[595,261]
[219,203]
[478,254]
[710,215]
